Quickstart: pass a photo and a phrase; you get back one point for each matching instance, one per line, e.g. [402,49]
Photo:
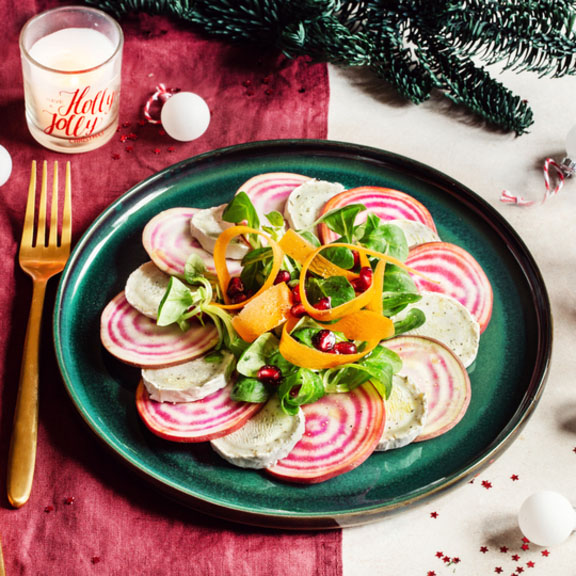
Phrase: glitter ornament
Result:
[185,116]
[547,518]
[5,165]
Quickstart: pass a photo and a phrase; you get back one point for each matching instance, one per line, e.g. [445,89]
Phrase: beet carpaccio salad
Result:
[301,327]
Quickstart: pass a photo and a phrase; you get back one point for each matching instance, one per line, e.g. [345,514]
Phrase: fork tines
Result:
[29,220]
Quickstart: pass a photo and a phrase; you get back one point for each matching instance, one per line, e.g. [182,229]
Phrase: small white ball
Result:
[5,165]
[571,143]
[185,116]
[547,518]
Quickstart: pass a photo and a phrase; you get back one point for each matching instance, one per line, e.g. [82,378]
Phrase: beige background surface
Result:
[476,524]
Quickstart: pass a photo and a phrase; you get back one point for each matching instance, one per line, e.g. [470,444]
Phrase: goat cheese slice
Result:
[145,289]
[189,381]
[416,233]
[448,321]
[406,411]
[266,438]
[206,225]
[305,202]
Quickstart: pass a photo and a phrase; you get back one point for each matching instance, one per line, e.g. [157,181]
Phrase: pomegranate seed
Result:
[235,287]
[296,294]
[366,275]
[364,280]
[323,304]
[237,298]
[270,373]
[298,310]
[282,276]
[345,348]
[324,340]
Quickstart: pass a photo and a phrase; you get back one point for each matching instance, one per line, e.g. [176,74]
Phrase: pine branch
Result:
[525,35]
[415,45]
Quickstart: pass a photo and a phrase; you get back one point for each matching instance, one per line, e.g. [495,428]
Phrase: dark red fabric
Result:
[88,514]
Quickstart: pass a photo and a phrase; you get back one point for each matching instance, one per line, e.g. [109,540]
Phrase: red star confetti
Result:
[123,138]
[515,557]
[70,500]
[48,508]
[498,570]
[503,549]
[525,547]
[430,573]
[115,156]
[530,564]
[525,540]
[129,149]
[95,559]
[433,514]
[486,484]
[171,149]
[514,477]
[157,150]
[439,554]
[545,553]
[519,570]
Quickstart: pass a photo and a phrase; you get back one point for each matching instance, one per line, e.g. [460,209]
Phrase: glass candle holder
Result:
[71,66]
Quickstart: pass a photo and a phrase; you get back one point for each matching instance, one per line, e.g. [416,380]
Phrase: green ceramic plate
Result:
[507,378]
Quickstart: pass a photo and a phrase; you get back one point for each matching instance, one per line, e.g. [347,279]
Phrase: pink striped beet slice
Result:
[198,421]
[386,203]
[436,371]
[453,271]
[169,242]
[138,340]
[269,192]
[342,430]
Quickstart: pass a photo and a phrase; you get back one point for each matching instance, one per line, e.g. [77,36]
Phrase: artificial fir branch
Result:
[415,45]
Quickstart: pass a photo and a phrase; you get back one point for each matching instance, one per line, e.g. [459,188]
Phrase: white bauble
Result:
[185,116]
[5,165]
[547,518]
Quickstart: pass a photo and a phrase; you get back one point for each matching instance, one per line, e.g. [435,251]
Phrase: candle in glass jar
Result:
[72,82]
[83,100]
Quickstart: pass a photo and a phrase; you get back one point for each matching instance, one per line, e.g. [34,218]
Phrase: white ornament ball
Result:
[571,144]
[547,518]
[5,165]
[185,116]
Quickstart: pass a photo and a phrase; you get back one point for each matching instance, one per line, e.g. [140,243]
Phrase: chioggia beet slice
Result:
[168,240]
[451,270]
[198,421]
[386,203]
[138,340]
[440,375]
[341,431]
[269,192]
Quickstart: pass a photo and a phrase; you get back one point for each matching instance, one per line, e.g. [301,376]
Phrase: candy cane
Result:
[161,94]
[509,198]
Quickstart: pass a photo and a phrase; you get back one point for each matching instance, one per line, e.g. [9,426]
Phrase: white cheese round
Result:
[145,289]
[266,438]
[190,381]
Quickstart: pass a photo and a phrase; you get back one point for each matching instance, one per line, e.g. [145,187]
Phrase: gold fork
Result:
[41,260]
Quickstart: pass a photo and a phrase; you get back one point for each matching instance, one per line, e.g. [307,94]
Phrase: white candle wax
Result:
[72,49]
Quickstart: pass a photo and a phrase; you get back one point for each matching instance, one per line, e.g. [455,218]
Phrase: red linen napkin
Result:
[88,514]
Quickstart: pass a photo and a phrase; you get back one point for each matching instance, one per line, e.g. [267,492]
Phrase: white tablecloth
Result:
[473,529]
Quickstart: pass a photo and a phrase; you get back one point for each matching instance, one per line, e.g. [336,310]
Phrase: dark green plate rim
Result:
[477,223]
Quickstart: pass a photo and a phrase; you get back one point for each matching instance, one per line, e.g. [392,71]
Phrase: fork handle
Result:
[22,455]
